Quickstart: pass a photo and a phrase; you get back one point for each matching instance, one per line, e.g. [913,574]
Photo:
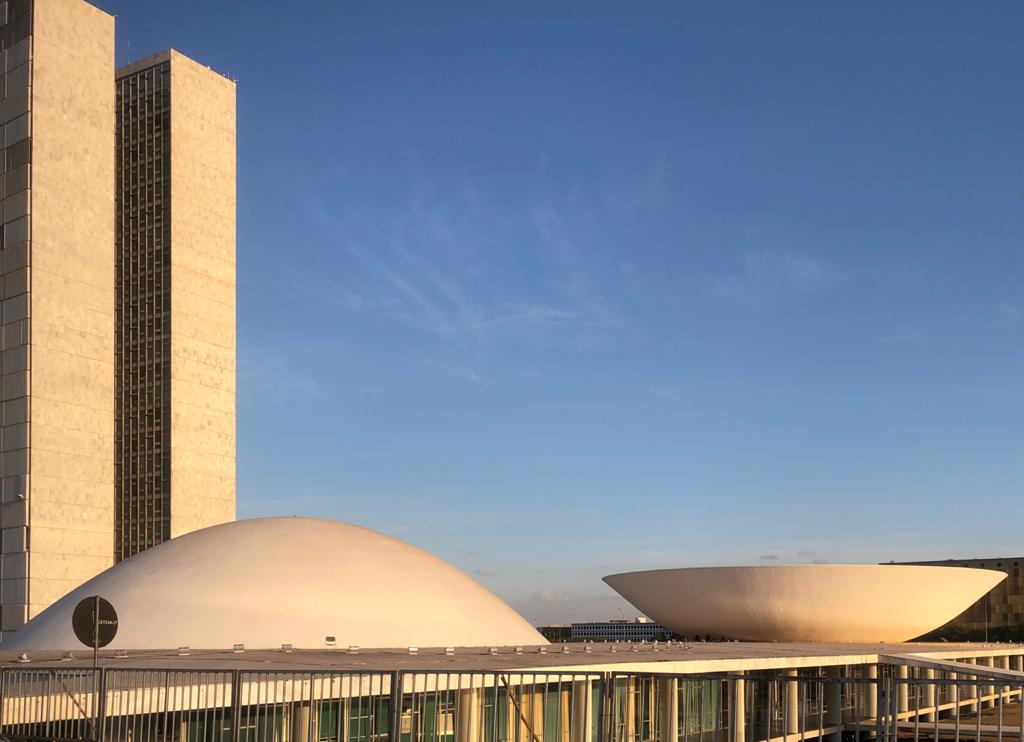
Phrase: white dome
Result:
[272,581]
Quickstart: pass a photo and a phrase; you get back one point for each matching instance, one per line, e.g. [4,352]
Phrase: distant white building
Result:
[639,629]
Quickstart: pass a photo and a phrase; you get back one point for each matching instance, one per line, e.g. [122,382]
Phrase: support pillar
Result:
[469,716]
[903,689]
[582,709]
[928,696]
[871,701]
[987,690]
[792,691]
[738,717]
[834,704]
[1003,663]
[300,722]
[882,704]
[970,691]
[668,709]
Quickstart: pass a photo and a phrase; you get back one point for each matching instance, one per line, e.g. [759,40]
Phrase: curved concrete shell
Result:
[808,603]
[273,581]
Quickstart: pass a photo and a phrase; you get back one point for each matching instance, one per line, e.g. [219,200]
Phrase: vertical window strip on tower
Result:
[142,497]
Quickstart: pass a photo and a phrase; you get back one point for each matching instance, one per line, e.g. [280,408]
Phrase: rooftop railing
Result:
[859,702]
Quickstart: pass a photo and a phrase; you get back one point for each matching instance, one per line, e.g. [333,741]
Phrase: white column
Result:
[928,696]
[300,722]
[987,690]
[582,711]
[668,709]
[970,691]
[792,691]
[1003,663]
[469,715]
[871,707]
[738,717]
[882,703]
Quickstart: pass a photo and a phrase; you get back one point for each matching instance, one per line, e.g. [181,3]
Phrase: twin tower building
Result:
[117,322]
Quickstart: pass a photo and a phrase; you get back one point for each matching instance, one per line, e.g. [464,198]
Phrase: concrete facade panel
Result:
[202,297]
[72,296]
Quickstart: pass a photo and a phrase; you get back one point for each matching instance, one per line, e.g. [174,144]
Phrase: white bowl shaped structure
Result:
[273,581]
[806,603]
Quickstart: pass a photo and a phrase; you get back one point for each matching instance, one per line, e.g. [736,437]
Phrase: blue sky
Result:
[560,289]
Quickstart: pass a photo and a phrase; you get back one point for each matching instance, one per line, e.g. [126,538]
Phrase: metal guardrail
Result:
[173,705]
[776,707]
[287,706]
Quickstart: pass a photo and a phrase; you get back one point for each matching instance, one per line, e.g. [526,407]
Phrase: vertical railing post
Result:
[395,732]
[834,699]
[236,705]
[882,706]
[894,704]
[604,690]
[495,716]
[101,706]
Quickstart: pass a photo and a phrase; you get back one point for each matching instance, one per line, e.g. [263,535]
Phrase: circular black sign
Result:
[94,622]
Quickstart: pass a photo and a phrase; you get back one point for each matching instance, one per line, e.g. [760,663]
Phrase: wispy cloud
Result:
[275,376]
[558,606]
[560,238]
[447,265]
[769,557]
[459,372]
[767,275]
[909,337]
[1002,316]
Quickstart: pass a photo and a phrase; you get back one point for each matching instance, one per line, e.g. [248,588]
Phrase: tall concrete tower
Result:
[175,277]
[117,301]
[57,339]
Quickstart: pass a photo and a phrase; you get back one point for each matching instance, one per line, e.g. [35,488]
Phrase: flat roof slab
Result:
[701,657]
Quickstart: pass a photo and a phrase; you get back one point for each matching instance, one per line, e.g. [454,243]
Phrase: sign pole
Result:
[95,634]
[95,624]
[96,662]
